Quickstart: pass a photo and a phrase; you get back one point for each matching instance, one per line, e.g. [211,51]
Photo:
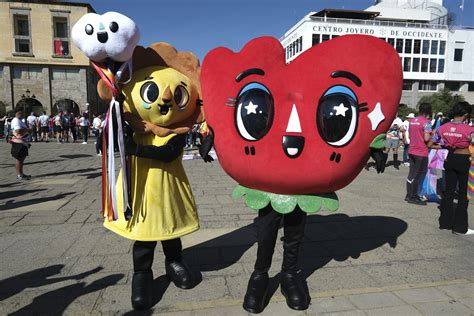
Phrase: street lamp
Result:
[26,96]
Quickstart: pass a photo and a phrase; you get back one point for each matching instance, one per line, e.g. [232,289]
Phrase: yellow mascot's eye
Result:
[149,92]
[181,96]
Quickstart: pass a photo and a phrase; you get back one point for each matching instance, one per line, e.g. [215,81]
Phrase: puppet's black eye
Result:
[149,92]
[181,96]
[337,116]
[89,29]
[113,27]
[254,111]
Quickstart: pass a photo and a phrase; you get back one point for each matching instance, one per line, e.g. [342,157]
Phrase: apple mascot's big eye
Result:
[301,129]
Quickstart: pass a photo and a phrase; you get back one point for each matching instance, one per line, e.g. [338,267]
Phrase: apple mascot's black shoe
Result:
[294,290]
[142,290]
[180,274]
[254,300]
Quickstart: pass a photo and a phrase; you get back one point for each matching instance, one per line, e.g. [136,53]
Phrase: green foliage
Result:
[404,110]
[442,101]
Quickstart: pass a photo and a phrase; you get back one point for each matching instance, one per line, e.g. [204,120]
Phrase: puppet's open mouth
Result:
[293,145]
[102,37]
[164,109]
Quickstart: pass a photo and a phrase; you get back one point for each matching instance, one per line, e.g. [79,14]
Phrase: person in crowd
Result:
[420,134]
[84,124]
[73,127]
[66,126]
[43,127]
[393,142]
[405,137]
[31,121]
[456,136]
[96,130]
[19,142]
[58,127]
[51,134]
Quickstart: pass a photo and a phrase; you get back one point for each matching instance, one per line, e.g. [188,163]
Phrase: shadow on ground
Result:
[332,237]
[75,156]
[12,205]
[15,193]
[56,301]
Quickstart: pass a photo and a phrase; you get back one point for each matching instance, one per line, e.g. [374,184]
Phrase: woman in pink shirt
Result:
[419,129]
[456,136]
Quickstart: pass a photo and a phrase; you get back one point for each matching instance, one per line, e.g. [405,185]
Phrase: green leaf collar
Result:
[285,204]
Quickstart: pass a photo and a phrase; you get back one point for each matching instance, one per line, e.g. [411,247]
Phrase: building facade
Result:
[434,56]
[40,68]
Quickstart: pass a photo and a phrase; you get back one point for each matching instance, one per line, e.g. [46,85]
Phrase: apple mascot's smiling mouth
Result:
[293,145]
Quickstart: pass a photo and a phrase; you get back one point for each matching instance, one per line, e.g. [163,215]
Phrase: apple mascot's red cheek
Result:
[303,127]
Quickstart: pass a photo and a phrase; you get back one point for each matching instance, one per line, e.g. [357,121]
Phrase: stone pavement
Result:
[377,255]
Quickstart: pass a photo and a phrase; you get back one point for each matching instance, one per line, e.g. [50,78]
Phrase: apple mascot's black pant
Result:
[268,223]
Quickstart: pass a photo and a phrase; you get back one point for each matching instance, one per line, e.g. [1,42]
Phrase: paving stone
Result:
[375,300]
[329,304]
[458,290]
[443,308]
[422,295]
[405,310]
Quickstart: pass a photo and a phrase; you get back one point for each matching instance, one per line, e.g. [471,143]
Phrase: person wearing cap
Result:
[405,135]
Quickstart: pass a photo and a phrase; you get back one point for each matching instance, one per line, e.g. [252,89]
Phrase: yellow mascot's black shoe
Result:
[294,290]
[254,300]
[180,274]
[142,290]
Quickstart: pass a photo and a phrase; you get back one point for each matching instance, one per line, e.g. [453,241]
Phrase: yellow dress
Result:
[162,201]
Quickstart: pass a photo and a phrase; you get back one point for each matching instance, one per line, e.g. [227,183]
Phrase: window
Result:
[399,45]
[65,74]
[424,65]
[1,72]
[300,44]
[416,46]
[470,86]
[21,34]
[458,54]
[326,37]
[407,64]
[428,85]
[432,64]
[27,73]
[426,47]
[453,85]
[416,65]
[441,65]
[407,85]
[434,47]
[408,46]
[442,47]
[61,36]
[334,36]
[316,40]
[391,41]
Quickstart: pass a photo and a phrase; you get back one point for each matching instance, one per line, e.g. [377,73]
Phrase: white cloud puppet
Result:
[110,35]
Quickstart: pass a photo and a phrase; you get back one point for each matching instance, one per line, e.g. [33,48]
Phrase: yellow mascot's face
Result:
[160,95]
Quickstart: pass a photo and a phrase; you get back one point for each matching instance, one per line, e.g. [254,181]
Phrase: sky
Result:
[201,25]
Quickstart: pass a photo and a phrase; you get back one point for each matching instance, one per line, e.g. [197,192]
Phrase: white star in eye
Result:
[341,110]
[251,108]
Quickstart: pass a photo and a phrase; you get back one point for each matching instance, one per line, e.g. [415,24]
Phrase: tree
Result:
[441,101]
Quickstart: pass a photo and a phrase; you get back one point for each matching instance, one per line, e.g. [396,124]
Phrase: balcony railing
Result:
[380,23]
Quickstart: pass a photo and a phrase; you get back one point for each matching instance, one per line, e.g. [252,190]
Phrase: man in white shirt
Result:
[406,137]
[20,144]
[43,124]
[96,129]
[32,121]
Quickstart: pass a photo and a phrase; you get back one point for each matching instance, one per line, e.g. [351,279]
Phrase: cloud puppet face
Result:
[110,35]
